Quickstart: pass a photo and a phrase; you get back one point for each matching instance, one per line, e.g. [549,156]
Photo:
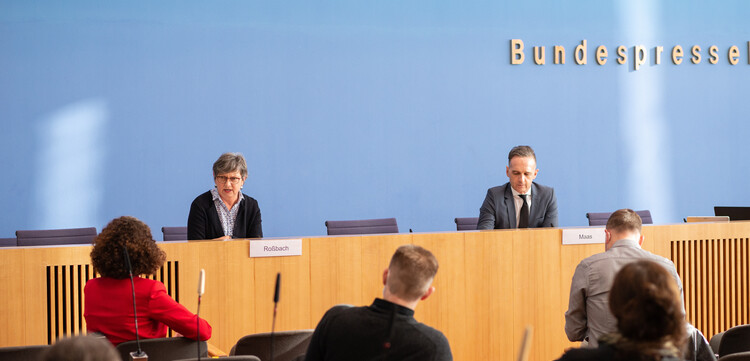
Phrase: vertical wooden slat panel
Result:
[731,285]
[692,285]
[714,305]
[745,300]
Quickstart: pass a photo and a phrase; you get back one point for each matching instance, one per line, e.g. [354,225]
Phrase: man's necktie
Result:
[523,217]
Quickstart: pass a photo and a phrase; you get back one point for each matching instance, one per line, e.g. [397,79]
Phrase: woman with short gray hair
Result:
[224,212]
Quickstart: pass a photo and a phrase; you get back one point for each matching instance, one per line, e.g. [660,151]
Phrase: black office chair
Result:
[23,353]
[739,356]
[735,340]
[466,224]
[8,242]
[288,345]
[600,219]
[49,237]
[715,342]
[164,349]
[174,233]
[363,226]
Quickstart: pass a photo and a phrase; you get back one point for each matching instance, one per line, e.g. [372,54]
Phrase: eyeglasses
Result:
[224,179]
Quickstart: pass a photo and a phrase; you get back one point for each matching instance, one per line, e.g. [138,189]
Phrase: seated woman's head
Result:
[107,256]
[645,300]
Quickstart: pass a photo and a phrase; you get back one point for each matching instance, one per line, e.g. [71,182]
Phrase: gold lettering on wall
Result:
[696,51]
[639,56]
[516,51]
[713,53]
[559,54]
[539,55]
[677,55]
[657,55]
[580,53]
[601,55]
[734,55]
[622,54]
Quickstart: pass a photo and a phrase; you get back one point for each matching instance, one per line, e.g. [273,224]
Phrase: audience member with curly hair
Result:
[109,300]
[646,302]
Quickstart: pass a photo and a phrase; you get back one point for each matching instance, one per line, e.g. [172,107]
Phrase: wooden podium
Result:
[490,284]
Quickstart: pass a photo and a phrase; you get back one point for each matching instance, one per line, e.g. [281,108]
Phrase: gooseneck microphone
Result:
[135,355]
[275,303]
[201,290]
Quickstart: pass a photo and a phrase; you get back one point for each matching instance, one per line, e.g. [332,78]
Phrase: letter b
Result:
[516,51]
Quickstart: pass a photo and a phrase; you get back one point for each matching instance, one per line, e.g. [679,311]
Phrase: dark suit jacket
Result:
[499,212]
[204,222]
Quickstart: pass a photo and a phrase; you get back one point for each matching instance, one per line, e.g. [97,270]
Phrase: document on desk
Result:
[590,235]
[276,248]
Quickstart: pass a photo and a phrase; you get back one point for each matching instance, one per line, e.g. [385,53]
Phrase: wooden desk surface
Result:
[490,284]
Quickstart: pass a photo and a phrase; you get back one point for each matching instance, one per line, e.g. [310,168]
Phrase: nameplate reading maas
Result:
[276,248]
[583,235]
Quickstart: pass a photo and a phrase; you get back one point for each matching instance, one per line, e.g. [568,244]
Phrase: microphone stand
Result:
[275,304]
[135,355]
[201,288]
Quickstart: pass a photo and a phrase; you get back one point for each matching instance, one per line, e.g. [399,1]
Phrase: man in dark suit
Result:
[520,203]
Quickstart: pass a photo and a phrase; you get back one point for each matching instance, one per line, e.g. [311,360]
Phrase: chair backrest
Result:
[735,339]
[287,345]
[715,342]
[164,349]
[600,218]
[174,233]
[23,353]
[227,358]
[466,223]
[8,242]
[363,226]
[737,356]
[49,237]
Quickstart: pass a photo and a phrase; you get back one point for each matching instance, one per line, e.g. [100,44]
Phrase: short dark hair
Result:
[230,162]
[107,255]
[411,272]
[81,348]
[521,151]
[645,300]
[624,220]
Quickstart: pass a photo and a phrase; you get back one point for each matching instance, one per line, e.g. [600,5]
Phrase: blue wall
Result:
[349,110]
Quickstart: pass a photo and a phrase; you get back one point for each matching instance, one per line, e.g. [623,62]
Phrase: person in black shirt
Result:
[385,330]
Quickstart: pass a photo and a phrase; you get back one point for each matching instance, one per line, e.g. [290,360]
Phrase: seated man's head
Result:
[521,169]
[81,348]
[646,302]
[623,223]
[409,275]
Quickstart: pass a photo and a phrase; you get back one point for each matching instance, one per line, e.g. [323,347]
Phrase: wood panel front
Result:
[490,284]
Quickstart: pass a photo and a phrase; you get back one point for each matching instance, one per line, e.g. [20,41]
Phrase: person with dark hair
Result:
[109,299]
[645,300]
[588,316]
[224,212]
[386,329]
[520,203]
[81,348]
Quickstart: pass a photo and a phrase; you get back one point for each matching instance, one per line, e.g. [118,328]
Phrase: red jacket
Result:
[108,309]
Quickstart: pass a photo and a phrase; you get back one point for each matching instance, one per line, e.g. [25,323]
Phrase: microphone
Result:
[135,355]
[276,293]
[275,303]
[201,283]
[201,290]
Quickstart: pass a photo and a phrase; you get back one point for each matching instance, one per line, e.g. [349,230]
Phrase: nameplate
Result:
[276,248]
[583,235]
